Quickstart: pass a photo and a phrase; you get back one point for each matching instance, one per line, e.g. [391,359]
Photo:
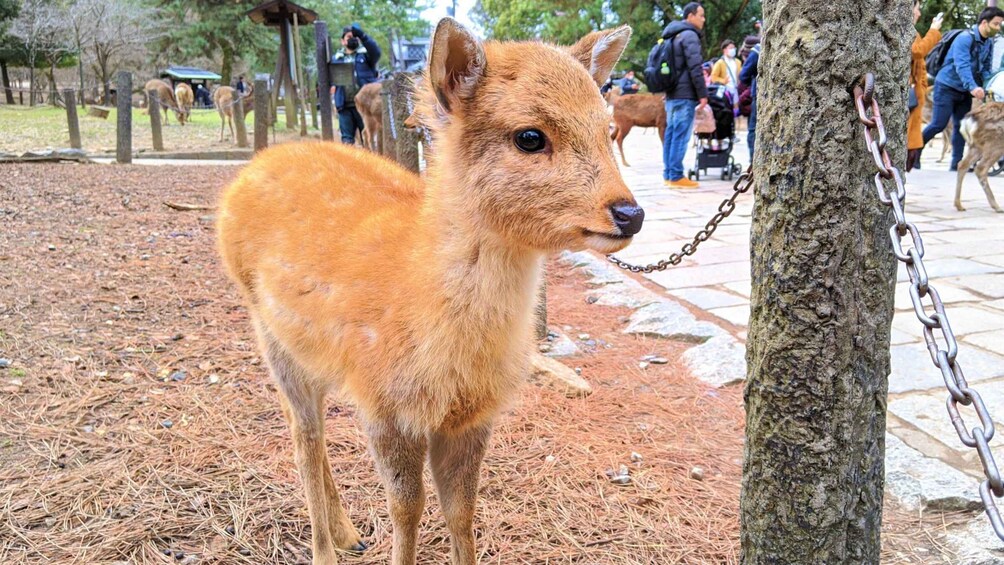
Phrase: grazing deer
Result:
[370,105]
[185,97]
[642,110]
[223,99]
[983,129]
[416,297]
[166,97]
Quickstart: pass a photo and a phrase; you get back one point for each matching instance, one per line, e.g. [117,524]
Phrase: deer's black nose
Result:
[628,217]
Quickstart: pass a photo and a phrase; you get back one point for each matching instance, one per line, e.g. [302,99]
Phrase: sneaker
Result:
[681,183]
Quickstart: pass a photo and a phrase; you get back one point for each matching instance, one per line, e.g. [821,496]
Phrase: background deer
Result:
[185,97]
[983,129]
[223,99]
[167,101]
[642,110]
[370,105]
[416,298]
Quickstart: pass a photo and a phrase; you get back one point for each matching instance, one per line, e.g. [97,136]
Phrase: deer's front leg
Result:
[400,459]
[456,462]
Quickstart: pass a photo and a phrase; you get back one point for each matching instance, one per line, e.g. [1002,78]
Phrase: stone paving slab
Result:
[912,369]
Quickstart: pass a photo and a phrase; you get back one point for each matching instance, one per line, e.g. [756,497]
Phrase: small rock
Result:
[636,457]
[213,379]
[590,343]
[583,337]
[88,429]
[551,334]
[643,364]
[167,424]
[4,363]
[231,530]
[578,370]
[178,376]
[168,552]
[648,357]
[697,473]
[592,299]
[50,521]
[544,348]
[17,382]
[244,551]
[621,477]
[177,337]
[659,360]
[550,459]
[179,555]
[144,257]
[52,247]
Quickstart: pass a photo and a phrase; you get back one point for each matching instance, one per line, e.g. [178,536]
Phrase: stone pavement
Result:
[927,466]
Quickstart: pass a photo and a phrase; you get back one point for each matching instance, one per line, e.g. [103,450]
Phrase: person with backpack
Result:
[748,75]
[675,68]
[967,66]
[918,83]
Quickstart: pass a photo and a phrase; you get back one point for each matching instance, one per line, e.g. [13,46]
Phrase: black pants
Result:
[349,120]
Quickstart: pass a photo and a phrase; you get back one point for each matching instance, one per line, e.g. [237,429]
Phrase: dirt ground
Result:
[138,424]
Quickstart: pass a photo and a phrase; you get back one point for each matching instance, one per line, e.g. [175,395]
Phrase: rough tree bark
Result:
[8,91]
[823,275]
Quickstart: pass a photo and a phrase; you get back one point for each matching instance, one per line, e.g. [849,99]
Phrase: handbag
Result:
[911,99]
[704,121]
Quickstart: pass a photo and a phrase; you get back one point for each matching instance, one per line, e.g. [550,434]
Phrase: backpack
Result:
[661,75]
[936,58]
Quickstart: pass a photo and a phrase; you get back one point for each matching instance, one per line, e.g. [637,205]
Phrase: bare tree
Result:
[36,27]
[117,29]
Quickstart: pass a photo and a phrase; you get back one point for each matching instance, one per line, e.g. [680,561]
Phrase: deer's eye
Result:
[531,140]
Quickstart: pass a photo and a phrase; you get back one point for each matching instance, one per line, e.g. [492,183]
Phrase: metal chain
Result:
[944,358]
[742,185]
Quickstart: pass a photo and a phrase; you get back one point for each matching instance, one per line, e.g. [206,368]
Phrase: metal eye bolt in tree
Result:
[823,276]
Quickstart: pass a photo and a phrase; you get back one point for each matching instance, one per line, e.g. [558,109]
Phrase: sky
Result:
[438,11]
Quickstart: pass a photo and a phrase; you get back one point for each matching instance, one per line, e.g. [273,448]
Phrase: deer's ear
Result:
[600,50]
[456,62]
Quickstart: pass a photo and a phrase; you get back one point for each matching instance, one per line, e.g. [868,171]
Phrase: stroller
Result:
[714,150]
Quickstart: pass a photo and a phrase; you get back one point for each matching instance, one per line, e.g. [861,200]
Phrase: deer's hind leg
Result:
[972,154]
[303,404]
[988,160]
[456,462]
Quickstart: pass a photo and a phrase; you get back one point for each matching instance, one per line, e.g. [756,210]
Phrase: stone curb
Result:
[719,359]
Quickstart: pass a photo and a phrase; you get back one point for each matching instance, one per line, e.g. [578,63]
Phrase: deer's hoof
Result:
[959,207]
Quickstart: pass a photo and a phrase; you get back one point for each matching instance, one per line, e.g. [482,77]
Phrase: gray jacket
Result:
[687,51]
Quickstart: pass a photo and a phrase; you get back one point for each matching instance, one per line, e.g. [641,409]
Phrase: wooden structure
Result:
[288,75]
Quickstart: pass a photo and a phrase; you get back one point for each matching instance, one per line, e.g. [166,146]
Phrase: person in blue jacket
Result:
[967,67]
[363,51]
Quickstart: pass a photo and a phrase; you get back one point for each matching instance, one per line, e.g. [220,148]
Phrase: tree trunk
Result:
[80,69]
[7,90]
[31,84]
[823,275]
[228,64]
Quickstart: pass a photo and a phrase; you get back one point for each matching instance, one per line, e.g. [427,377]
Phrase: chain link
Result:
[944,357]
[726,208]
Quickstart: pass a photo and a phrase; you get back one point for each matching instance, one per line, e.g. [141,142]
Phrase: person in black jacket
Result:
[689,93]
[748,75]
[363,51]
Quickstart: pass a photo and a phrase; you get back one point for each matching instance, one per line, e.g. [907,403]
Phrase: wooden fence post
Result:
[238,117]
[323,80]
[71,118]
[154,107]
[407,139]
[262,115]
[388,145]
[123,145]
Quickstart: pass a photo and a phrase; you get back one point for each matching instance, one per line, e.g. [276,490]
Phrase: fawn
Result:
[415,298]
[983,129]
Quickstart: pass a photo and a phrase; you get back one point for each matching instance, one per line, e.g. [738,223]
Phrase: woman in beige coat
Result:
[918,80]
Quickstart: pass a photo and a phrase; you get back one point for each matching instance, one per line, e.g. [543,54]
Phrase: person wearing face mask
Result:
[363,51]
[967,67]
[918,82]
[726,72]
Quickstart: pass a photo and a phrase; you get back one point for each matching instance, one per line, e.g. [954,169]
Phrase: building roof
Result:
[273,12]
[189,73]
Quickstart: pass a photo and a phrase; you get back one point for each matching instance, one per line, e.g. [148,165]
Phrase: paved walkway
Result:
[927,466]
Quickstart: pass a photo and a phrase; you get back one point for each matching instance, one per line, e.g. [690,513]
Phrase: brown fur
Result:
[370,105]
[223,99]
[414,297]
[642,110]
[983,129]
[166,97]
[185,97]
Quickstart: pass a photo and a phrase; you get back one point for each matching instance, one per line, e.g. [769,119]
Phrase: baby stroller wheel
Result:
[690,174]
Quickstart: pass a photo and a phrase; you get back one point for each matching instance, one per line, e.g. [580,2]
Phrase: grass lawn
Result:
[27,129]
